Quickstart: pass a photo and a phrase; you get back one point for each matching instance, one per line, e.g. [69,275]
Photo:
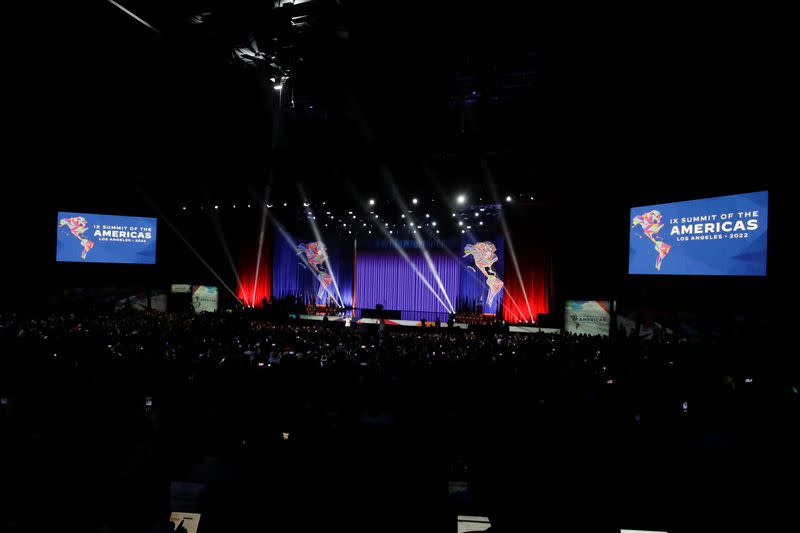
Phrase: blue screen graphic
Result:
[92,238]
[722,236]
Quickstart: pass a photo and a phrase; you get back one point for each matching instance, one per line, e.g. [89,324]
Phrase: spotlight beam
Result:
[468,233]
[132,15]
[408,261]
[290,242]
[509,242]
[475,274]
[221,237]
[260,244]
[318,237]
[192,249]
[425,254]
[513,301]
[505,292]
[402,252]
[427,284]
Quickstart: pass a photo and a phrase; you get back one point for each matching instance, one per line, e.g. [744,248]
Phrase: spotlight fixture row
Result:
[460,199]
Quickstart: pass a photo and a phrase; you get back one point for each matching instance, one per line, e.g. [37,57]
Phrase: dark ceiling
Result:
[435,96]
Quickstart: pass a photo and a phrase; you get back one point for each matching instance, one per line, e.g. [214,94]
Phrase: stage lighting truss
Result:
[466,218]
[272,64]
[200,18]
[250,54]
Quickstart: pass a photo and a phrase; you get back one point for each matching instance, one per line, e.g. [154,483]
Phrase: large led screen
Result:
[721,236]
[92,238]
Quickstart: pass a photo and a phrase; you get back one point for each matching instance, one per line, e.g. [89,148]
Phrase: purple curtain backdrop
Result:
[386,278]
[291,278]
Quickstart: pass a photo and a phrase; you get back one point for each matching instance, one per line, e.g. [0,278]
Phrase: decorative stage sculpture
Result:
[483,253]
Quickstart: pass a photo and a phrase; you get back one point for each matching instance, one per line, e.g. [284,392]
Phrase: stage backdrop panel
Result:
[473,288]
[386,278]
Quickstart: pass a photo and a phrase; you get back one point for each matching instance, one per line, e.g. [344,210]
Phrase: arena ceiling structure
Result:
[174,95]
[120,106]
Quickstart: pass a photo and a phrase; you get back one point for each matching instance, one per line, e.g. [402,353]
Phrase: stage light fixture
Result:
[477,214]
[437,231]
[234,206]
[184,208]
[414,201]
[454,214]
[480,223]
[285,204]
[427,215]
[462,231]
[434,222]
[305,204]
[402,216]
[461,199]
[277,86]
[248,205]
[508,199]
[354,216]
[216,207]
[371,201]
[460,223]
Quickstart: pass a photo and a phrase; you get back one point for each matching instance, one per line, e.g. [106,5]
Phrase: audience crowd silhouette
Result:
[292,425]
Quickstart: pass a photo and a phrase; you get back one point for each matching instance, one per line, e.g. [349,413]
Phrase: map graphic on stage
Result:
[93,238]
[483,253]
[721,236]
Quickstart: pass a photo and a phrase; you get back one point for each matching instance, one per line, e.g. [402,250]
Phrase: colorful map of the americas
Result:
[78,226]
[650,223]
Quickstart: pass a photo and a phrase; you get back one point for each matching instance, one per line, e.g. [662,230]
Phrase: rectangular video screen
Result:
[721,236]
[93,238]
